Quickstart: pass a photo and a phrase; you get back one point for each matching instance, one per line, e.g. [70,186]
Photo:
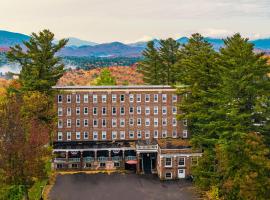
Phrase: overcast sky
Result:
[135,20]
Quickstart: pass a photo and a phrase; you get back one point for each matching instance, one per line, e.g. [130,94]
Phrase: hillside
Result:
[123,74]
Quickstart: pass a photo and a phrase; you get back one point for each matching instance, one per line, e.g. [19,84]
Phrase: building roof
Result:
[113,87]
[173,143]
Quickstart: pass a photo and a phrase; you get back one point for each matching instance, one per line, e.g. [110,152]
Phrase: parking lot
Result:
[117,186]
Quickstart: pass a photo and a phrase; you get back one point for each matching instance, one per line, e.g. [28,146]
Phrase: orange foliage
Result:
[122,74]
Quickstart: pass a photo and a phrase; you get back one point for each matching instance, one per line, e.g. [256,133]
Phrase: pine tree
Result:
[150,67]
[40,67]
[169,55]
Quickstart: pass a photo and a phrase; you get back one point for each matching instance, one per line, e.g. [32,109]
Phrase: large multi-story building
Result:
[116,127]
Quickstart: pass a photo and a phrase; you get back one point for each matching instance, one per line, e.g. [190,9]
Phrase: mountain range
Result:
[82,48]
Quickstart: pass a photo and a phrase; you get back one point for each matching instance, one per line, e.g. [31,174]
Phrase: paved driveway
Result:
[119,187]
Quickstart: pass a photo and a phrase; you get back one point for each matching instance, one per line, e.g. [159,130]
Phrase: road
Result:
[119,187]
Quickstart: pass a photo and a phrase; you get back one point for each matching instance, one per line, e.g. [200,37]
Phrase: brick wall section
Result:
[73,105]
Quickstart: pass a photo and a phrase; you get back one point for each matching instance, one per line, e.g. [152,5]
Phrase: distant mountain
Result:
[8,39]
[72,41]
[79,48]
[114,49]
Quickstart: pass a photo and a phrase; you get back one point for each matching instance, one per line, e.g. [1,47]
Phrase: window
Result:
[78,110]
[139,110]
[104,98]
[78,98]
[113,110]
[168,175]
[122,135]
[78,122]
[88,165]
[164,98]
[122,122]
[155,110]
[139,134]
[164,110]
[60,98]
[139,97]
[60,136]
[174,98]
[147,97]
[181,161]
[164,133]
[102,164]
[85,98]
[155,133]
[68,136]
[85,122]
[60,123]
[184,133]
[139,121]
[95,110]
[122,98]
[114,98]
[164,121]
[131,110]
[147,122]
[60,111]
[68,98]
[95,99]
[114,135]
[174,122]
[155,122]
[114,122]
[95,135]
[131,134]
[69,123]
[104,111]
[185,122]
[131,98]
[116,164]
[174,110]
[78,135]
[85,135]
[155,97]
[85,110]
[174,134]
[104,135]
[147,110]
[131,121]
[147,134]
[103,122]
[68,111]
[122,110]
[168,162]
[95,123]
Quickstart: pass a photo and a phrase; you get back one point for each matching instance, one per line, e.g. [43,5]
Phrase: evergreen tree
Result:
[40,67]
[150,67]
[169,55]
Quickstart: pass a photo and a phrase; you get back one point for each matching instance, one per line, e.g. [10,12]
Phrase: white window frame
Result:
[78,124]
[155,110]
[155,133]
[95,109]
[139,110]
[95,120]
[103,122]
[114,122]
[85,98]
[114,135]
[164,121]
[174,121]
[68,98]
[68,111]
[78,98]
[95,135]
[85,135]
[78,135]
[103,98]
[60,123]
[122,122]
[69,123]
[164,110]
[122,108]
[60,111]
[68,136]
[147,110]
[114,98]
[131,98]
[131,134]
[174,133]
[78,110]
[185,133]
[122,100]
[122,135]
[95,98]
[85,122]
[138,97]
[166,162]
[185,122]
[104,135]
[139,121]
[114,109]
[139,134]
[155,122]
[147,122]
[147,134]
[164,134]
[174,110]
[179,162]
[168,178]
[174,98]
[147,98]
[131,121]
[155,97]
[164,98]
[85,109]
[131,110]
[59,136]
[104,111]
[60,98]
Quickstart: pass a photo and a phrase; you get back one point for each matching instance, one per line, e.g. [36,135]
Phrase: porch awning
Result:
[132,162]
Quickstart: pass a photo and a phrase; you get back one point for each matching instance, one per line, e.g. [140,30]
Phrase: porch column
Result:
[110,155]
[81,159]
[123,155]
[138,163]
[95,155]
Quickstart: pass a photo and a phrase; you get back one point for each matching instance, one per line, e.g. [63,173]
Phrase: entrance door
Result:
[181,173]
[146,160]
